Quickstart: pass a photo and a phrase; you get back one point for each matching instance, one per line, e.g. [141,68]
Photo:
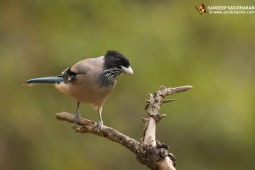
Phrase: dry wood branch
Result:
[148,151]
[170,100]
[153,117]
[107,132]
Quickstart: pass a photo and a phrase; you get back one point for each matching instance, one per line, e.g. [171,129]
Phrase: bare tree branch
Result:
[148,150]
[153,117]
[88,126]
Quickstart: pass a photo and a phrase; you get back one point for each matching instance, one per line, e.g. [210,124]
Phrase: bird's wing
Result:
[70,73]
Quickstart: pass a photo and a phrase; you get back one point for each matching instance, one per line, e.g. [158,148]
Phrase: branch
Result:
[153,117]
[88,126]
[148,150]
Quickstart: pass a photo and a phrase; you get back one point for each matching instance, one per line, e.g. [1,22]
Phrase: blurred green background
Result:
[167,42]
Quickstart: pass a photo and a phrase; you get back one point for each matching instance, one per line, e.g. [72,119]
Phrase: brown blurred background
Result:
[167,42]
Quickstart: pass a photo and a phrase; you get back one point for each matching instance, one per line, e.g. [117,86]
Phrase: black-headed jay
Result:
[89,81]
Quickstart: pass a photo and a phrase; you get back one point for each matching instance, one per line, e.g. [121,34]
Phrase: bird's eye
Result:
[118,60]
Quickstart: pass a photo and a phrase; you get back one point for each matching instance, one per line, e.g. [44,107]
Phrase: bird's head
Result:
[116,60]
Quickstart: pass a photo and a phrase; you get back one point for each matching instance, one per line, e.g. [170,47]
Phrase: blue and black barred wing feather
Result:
[67,75]
[35,81]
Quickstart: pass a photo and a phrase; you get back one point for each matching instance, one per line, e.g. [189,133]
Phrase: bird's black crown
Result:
[115,59]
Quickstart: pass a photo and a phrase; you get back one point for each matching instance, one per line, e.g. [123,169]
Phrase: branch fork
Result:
[148,150]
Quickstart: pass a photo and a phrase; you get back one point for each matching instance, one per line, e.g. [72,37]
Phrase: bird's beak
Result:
[127,70]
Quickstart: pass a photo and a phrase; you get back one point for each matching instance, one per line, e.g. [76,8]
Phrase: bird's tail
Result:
[35,81]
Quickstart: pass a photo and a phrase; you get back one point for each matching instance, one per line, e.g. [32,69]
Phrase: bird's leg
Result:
[100,123]
[77,114]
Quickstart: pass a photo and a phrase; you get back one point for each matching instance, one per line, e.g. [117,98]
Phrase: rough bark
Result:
[148,150]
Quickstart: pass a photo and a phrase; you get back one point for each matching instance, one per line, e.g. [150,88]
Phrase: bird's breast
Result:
[88,90]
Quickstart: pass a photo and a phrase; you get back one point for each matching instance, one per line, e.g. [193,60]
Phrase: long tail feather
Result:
[35,81]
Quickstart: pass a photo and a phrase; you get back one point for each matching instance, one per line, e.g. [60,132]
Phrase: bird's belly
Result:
[94,95]
[61,87]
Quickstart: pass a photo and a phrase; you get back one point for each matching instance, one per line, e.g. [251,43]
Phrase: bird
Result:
[89,81]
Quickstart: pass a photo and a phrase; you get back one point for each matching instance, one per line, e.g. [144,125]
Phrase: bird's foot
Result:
[76,119]
[99,126]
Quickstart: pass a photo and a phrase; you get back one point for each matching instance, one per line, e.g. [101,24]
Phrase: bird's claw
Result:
[76,119]
[99,126]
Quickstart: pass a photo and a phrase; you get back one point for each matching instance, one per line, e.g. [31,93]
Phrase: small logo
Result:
[201,9]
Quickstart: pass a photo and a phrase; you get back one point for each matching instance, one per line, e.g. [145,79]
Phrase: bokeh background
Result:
[167,42]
